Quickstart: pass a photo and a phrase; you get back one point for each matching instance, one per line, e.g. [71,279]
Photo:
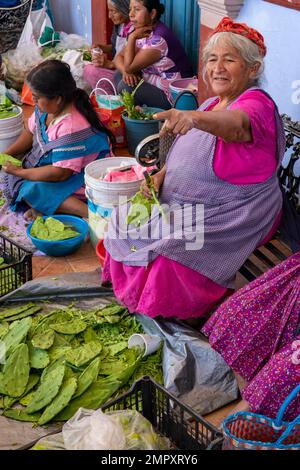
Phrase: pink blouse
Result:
[255,161]
[69,124]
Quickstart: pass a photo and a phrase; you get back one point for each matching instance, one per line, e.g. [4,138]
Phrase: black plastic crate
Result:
[171,418]
[19,265]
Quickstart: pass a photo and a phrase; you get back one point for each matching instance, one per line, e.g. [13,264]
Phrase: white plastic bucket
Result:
[10,129]
[103,196]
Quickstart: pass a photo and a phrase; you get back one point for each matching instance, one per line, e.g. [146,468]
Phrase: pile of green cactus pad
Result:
[4,158]
[51,229]
[68,358]
[7,109]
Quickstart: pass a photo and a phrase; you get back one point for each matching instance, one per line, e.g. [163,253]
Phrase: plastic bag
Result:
[52,442]
[34,27]
[110,107]
[75,61]
[26,95]
[72,41]
[19,62]
[120,430]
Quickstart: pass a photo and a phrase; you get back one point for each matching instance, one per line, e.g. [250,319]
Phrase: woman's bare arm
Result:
[22,144]
[230,125]
[47,173]
[137,60]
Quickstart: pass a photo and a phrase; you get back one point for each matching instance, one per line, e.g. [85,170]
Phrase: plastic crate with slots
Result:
[185,429]
[17,267]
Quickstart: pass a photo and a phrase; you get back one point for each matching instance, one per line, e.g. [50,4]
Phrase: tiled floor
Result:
[84,260]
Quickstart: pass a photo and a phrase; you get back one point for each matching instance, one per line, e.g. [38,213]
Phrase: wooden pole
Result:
[101,25]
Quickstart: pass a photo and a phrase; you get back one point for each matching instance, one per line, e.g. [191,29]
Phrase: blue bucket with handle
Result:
[184,98]
[138,129]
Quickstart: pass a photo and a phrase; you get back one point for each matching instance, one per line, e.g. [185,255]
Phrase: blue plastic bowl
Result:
[62,247]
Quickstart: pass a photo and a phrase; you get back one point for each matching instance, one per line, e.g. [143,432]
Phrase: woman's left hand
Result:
[140,33]
[12,169]
[176,122]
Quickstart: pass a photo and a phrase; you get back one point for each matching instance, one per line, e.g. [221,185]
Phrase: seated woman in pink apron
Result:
[102,67]
[64,135]
[257,332]
[153,53]
[220,186]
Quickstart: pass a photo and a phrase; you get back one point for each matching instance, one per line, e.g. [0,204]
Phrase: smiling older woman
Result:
[224,160]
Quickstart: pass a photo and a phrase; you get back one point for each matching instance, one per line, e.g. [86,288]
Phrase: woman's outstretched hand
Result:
[176,122]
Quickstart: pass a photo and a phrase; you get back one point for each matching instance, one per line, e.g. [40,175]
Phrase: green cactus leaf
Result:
[38,358]
[97,394]
[17,333]
[27,313]
[110,310]
[70,328]
[32,382]
[43,340]
[115,349]
[2,388]
[88,376]
[16,371]
[58,352]
[84,354]
[8,402]
[90,335]
[20,415]
[60,401]
[4,328]
[27,398]
[53,365]
[48,388]
[11,312]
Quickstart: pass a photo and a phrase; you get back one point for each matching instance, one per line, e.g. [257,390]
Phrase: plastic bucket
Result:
[186,102]
[101,252]
[138,129]
[10,129]
[104,196]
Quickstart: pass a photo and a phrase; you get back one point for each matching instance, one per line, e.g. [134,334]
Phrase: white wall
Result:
[281,29]
[73,16]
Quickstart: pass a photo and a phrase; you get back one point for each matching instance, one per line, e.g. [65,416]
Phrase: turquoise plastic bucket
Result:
[137,129]
[186,101]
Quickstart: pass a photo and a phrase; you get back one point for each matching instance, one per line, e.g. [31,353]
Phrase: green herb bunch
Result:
[141,207]
[134,112]
[6,108]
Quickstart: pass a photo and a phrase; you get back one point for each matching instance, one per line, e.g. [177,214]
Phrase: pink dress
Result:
[173,63]
[66,125]
[157,74]
[257,333]
[170,289]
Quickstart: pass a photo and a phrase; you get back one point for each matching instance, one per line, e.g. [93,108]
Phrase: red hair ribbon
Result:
[227,25]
